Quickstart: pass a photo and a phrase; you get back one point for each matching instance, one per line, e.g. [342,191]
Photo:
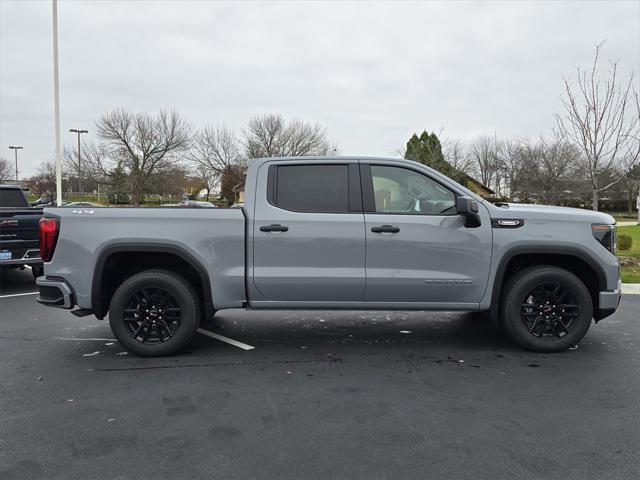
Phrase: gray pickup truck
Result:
[333,233]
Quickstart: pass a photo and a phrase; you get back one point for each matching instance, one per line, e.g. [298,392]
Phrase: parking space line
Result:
[19,294]
[222,338]
[87,339]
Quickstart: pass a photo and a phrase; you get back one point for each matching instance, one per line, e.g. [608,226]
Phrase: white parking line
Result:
[230,341]
[87,339]
[19,294]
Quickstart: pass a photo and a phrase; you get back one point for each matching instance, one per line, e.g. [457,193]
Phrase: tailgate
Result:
[19,233]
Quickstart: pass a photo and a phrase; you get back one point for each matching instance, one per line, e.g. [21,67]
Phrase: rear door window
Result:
[312,188]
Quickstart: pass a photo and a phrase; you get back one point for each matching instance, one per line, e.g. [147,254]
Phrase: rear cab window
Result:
[12,198]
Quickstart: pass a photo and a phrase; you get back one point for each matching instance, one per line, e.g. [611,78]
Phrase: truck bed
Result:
[212,238]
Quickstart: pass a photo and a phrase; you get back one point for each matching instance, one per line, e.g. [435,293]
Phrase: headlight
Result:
[606,235]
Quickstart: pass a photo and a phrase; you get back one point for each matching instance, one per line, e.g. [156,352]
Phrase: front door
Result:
[308,234]
[418,249]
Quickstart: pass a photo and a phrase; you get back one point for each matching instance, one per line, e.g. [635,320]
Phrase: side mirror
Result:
[468,208]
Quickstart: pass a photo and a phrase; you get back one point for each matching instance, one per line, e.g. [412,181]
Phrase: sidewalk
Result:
[626,223]
[631,288]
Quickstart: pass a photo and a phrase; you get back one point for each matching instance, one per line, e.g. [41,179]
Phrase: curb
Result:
[631,288]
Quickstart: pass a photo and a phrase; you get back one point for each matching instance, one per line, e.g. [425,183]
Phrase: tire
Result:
[540,318]
[37,271]
[154,313]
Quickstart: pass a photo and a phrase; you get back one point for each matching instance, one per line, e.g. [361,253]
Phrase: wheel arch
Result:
[580,263]
[146,256]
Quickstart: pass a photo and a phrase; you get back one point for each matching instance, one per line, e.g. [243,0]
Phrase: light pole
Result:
[56,102]
[15,149]
[79,132]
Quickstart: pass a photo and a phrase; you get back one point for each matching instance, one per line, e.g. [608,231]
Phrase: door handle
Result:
[385,229]
[274,227]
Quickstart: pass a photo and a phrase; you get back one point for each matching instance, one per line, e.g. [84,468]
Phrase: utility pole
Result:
[15,150]
[79,132]
[56,102]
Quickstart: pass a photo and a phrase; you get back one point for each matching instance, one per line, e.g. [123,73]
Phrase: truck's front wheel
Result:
[154,313]
[546,309]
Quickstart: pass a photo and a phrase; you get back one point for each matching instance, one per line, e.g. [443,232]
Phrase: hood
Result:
[549,212]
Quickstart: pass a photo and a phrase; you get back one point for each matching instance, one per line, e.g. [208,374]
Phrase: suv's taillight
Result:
[606,235]
[48,237]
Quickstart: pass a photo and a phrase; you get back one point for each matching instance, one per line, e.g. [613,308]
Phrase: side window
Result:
[312,188]
[401,190]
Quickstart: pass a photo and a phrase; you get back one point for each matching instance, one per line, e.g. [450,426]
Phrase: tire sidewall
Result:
[515,297]
[178,289]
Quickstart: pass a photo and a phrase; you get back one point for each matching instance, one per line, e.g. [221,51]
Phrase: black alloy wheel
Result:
[549,310]
[545,308]
[152,315]
[155,313]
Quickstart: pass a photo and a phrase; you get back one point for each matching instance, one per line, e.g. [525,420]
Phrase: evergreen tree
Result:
[427,150]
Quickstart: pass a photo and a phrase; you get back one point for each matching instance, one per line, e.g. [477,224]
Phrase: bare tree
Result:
[144,145]
[43,183]
[484,157]
[5,170]
[216,152]
[209,179]
[630,185]
[95,162]
[557,160]
[602,117]
[509,158]
[272,136]
[455,154]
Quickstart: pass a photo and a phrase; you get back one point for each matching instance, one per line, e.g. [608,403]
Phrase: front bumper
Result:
[55,292]
[608,302]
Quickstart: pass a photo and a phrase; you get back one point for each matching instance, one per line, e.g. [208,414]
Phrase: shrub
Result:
[624,242]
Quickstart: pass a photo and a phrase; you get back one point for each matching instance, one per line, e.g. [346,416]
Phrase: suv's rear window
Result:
[313,188]
[12,197]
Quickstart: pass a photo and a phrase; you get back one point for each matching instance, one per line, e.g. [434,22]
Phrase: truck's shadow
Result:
[268,331]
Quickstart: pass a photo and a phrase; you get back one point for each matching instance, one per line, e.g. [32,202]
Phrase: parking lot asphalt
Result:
[323,395]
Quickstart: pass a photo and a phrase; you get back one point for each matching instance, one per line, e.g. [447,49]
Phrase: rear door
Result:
[308,234]
[418,249]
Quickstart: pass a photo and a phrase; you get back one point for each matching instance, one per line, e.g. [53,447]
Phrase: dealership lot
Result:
[314,395]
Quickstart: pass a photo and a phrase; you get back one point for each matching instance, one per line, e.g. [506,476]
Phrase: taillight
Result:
[48,237]
[606,235]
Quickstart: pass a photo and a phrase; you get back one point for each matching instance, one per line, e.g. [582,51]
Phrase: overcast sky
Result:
[371,73]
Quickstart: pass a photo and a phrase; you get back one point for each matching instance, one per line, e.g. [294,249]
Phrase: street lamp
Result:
[79,132]
[15,149]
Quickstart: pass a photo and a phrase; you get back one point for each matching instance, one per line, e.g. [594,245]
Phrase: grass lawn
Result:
[630,274]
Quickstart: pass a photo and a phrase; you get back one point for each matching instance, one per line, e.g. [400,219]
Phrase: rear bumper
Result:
[608,302]
[23,257]
[54,292]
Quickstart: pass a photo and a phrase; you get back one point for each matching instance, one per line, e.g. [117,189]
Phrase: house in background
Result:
[477,187]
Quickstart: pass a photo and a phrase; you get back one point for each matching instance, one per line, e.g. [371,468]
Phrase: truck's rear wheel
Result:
[154,313]
[546,309]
